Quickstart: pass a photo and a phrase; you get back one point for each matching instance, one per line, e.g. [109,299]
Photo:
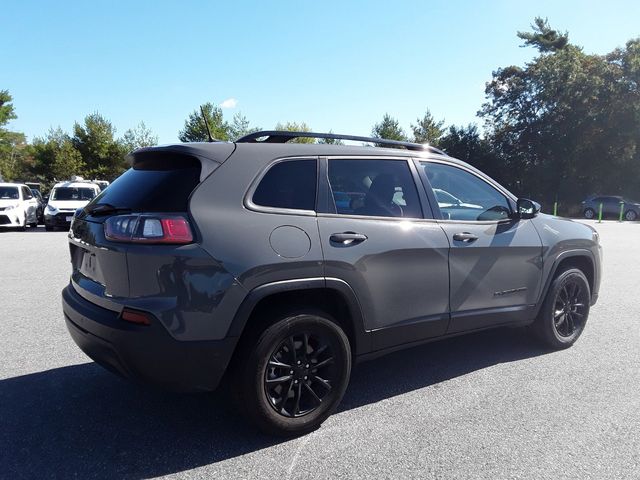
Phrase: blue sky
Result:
[335,65]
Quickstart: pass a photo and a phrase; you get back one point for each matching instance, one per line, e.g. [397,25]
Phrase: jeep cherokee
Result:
[277,265]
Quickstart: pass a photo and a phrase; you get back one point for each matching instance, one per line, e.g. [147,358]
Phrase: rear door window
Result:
[290,185]
[374,188]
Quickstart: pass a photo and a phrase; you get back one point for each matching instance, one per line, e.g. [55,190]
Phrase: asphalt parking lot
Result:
[490,405]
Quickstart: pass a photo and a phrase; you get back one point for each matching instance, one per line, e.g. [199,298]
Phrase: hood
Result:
[68,204]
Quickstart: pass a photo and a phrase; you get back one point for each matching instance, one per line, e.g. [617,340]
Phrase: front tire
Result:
[589,213]
[565,310]
[631,216]
[295,375]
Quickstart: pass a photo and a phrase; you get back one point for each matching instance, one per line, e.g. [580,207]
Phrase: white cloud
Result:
[229,103]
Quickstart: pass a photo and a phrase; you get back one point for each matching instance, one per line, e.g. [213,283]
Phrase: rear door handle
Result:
[465,237]
[347,238]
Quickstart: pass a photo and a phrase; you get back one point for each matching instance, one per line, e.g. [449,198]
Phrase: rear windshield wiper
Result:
[104,209]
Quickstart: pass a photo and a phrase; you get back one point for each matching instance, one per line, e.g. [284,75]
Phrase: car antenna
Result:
[206,124]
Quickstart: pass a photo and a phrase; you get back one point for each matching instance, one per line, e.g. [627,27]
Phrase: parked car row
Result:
[21,206]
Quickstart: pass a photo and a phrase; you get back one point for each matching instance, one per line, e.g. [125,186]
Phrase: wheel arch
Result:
[331,295]
[580,258]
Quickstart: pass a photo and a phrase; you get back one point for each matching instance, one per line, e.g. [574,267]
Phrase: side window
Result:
[464,196]
[26,193]
[380,188]
[290,184]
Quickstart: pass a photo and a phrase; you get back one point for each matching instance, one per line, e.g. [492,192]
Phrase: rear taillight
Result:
[156,228]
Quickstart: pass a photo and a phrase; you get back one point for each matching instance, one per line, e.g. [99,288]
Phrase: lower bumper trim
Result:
[147,354]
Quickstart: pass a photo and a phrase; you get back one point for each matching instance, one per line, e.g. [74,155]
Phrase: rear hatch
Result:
[161,180]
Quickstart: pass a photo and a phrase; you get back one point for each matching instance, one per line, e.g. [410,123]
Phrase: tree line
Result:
[561,127]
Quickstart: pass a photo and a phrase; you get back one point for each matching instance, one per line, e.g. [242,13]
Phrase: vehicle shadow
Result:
[81,421]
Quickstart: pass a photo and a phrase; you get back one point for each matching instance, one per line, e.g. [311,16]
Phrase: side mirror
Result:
[527,208]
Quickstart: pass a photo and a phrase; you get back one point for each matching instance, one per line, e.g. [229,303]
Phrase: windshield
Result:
[72,193]
[9,193]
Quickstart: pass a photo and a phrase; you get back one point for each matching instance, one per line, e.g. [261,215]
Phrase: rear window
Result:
[290,184]
[73,193]
[153,186]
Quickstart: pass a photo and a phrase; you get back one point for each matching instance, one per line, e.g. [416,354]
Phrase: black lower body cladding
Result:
[144,353]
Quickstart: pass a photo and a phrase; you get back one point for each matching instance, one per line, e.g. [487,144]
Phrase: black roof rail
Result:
[281,136]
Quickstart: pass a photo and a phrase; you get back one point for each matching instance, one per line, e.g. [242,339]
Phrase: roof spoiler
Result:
[180,155]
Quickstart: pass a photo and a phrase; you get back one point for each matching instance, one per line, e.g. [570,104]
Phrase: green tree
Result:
[567,124]
[138,137]
[389,129]
[102,154]
[466,143]
[7,112]
[12,144]
[240,127]
[543,37]
[67,162]
[427,129]
[55,157]
[195,129]
[296,127]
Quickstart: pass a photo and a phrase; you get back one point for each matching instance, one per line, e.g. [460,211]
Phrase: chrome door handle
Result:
[465,237]
[347,238]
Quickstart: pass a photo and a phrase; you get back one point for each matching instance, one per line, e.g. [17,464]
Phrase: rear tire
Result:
[565,310]
[589,213]
[295,375]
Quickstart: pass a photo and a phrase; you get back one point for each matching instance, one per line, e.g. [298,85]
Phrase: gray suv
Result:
[277,265]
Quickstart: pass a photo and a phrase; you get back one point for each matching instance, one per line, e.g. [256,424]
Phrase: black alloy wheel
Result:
[564,313]
[571,308]
[291,376]
[300,374]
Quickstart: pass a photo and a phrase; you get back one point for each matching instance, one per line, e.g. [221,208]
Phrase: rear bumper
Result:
[144,353]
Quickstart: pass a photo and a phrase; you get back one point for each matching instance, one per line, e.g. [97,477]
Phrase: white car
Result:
[18,206]
[65,198]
